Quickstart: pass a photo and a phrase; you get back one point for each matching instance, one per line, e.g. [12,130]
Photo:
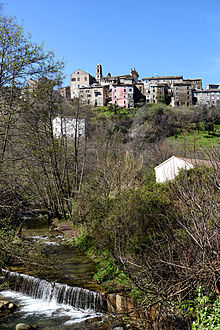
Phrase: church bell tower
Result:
[98,72]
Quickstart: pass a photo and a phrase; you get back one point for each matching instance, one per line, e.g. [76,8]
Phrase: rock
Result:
[93,320]
[12,306]
[23,326]
[2,306]
[5,302]
[6,305]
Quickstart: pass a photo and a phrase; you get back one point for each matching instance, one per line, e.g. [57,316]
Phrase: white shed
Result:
[67,126]
[170,168]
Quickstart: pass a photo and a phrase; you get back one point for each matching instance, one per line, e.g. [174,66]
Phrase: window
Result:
[130,90]
[125,90]
[115,96]
[85,78]
[78,79]
[77,72]
[73,79]
[124,96]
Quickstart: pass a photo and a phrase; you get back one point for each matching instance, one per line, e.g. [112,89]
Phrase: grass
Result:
[109,112]
[192,137]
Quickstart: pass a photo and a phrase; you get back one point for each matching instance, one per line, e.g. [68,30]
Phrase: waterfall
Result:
[61,293]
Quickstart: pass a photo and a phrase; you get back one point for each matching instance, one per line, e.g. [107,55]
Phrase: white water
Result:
[51,306]
[45,239]
[36,309]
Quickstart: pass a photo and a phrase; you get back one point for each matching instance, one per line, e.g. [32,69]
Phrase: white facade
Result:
[68,127]
[170,168]
[207,96]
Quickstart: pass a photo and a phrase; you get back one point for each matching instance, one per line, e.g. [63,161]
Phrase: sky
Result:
[180,37]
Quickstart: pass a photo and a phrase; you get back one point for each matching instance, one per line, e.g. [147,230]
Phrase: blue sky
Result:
[156,37]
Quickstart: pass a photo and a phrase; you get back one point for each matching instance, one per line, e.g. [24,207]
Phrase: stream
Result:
[73,302]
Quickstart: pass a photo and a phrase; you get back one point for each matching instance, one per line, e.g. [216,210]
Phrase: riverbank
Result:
[51,304]
[119,293]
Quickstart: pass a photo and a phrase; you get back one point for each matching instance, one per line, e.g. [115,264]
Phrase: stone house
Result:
[182,94]
[174,88]
[65,92]
[78,79]
[95,95]
[212,86]
[207,97]
[169,80]
[131,78]
[156,90]
[195,83]
[156,86]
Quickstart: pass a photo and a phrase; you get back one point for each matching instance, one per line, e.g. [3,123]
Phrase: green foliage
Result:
[6,237]
[106,269]
[112,112]
[203,308]
[161,98]
[190,138]
[84,241]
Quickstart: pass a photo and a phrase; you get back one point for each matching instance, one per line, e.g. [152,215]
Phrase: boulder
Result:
[6,305]
[23,326]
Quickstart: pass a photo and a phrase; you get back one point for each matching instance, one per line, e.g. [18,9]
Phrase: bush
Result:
[203,308]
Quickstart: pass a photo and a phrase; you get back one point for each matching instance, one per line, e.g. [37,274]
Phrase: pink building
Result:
[123,95]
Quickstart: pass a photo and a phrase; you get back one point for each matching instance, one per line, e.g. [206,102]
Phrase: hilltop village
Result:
[128,90]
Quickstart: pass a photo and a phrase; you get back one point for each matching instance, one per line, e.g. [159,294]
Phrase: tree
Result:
[20,58]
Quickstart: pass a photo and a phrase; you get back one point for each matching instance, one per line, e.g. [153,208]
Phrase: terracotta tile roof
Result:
[182,84]
[122,76]
[164,77]
[207,90]
[121,84]
[194,79]
[200,162]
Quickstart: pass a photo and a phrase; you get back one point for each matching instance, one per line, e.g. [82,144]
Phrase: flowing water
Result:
[72,304]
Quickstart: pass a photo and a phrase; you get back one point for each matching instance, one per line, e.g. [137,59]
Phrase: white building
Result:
[170,168]
[207,96]
[68,127]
